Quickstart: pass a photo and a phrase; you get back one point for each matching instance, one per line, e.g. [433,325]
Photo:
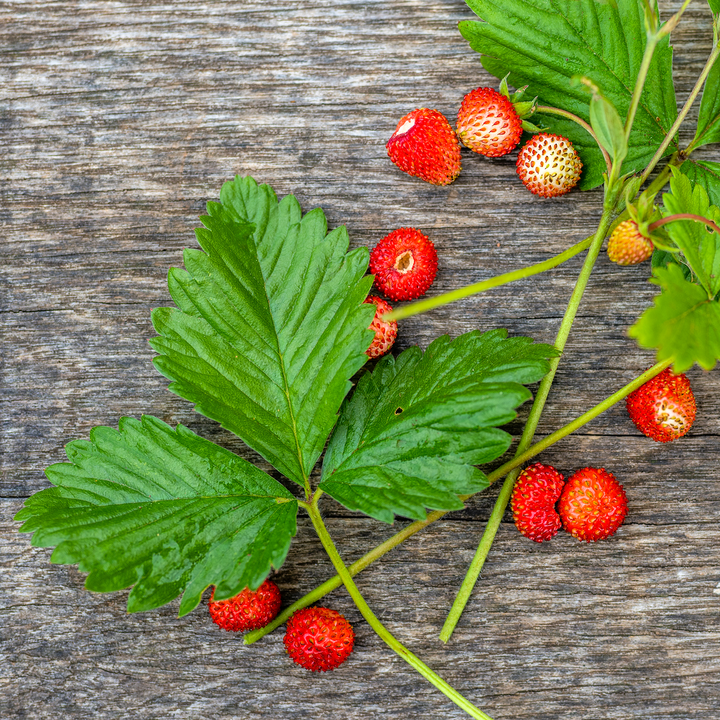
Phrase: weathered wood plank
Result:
[119,121]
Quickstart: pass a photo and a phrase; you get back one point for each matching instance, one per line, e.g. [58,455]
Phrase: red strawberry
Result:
[664,407]
[533,502]
[319,639]
[425,146]
[404,264]
[488,123]
[548,165]
[385,332]
[593,504]
[628,246]
[248,610]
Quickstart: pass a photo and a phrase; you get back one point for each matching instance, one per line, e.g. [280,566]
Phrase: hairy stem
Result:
[536,411]
[504,498]
[683,113]
[382,632]
[483,285]
[640,83]
[684,216]
[415,527]
[549,110]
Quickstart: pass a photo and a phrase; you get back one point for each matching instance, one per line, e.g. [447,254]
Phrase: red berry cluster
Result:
[425,145]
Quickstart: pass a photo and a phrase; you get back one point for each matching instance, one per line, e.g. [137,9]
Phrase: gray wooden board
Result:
[119,121]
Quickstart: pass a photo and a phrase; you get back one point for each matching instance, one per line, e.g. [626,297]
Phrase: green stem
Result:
[549,110]
[483,285]
[382,632]
[640,83]
[415,527]
[535,413]
[681,116]
[506,492]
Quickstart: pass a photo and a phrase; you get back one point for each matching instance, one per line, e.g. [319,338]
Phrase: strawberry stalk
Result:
[415,527]
[382,632]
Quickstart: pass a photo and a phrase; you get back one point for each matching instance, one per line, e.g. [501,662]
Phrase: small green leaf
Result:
[544,43]
[408,438]
[608,127]
[162,510]
[700,246]
[271,324]
[683,324]
[706,174]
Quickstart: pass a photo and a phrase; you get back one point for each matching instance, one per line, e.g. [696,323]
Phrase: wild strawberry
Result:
[425,146]
[548,165]
[533,502]
[593,504]
[628,246]
[488,123]
[319,639]
[664,407]
[404,264]
[248,610]
[385,332]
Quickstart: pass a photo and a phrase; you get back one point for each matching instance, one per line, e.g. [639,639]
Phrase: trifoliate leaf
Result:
[683,324]
[708,125]
[270,326]
[706,174]
[162,510]
[699,245]
[545,43]
[409,436]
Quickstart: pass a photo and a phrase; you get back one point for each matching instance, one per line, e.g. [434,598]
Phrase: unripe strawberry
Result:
[628,246]
[664,407]
[385,332]
[548,165]
[425,146]
[488,123]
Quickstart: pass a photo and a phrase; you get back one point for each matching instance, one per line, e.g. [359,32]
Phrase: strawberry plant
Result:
[272,324]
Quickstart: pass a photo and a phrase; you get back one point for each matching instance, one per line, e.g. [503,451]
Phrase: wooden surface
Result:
[119,120]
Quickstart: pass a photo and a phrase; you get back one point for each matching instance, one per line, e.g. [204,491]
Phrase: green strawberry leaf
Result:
[706,174]
[270,325]
[408,438]
[699,245]
[683,324]
[708,125]
[545,43]
[162,510]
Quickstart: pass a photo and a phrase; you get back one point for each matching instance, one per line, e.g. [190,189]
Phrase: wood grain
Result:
[119,120]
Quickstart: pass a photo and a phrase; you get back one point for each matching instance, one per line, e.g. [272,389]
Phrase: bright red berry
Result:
[533,502]
[385,332]
[628,246]
[248,610]
[319,639]
[425,146]
[548,165]
[593,504]
[488,123]
[404,264]
[664,407]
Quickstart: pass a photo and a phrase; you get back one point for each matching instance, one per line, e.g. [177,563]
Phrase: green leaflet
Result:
[708,126]
[270,325]
[700,246]
[706,174]
[545,43]
[683,323]
[409,436]
[163,510]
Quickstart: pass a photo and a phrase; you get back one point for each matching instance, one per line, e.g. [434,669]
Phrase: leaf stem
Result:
[535,412]
[682,114]
[379,628]
[483,285]
[415,527]
[549,110]
[684,216]
[650,46]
